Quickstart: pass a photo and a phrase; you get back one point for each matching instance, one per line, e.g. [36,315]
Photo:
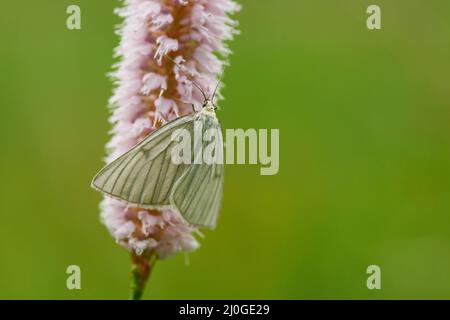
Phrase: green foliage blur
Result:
[364,167]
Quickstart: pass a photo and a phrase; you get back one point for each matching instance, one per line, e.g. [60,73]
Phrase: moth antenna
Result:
[188,76]
[217,85]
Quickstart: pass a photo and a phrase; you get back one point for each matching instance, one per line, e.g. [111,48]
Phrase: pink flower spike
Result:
[148,87]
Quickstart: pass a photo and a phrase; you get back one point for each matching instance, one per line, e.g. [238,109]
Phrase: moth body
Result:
[147,177]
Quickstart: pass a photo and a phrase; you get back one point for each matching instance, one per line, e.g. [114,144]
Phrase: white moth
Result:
[147,177]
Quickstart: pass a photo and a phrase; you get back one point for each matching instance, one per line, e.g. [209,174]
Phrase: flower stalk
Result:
[141,268]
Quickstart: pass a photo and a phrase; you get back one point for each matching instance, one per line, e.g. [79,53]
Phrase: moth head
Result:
[209,105]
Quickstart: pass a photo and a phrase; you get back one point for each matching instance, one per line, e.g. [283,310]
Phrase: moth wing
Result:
[145,175]
[198,194]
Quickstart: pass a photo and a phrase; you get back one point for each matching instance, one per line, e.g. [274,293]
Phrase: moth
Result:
[147,176]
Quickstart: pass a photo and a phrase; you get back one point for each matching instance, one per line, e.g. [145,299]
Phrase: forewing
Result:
[198,194]
[146,174]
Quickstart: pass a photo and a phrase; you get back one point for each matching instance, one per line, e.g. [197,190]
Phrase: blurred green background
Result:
[365,149]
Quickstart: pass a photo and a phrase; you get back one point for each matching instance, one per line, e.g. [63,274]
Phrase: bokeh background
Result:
[365,152]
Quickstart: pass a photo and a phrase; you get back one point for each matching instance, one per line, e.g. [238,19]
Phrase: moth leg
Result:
[193,108]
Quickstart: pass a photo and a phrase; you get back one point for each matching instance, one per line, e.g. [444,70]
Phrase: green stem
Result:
[140,271]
